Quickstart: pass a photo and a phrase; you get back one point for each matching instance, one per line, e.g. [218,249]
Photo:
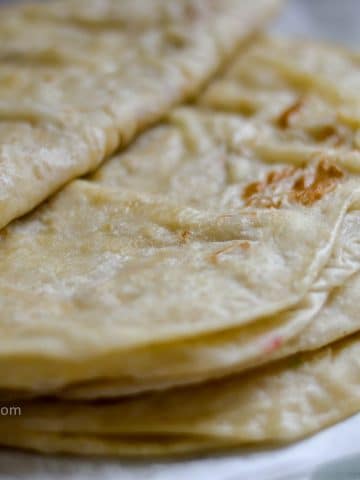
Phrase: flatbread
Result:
[84,278]
[280,403]
[197,233]
[299,329]
[310,93]
[285,116]
[71,93]
[190,233]
[138,447]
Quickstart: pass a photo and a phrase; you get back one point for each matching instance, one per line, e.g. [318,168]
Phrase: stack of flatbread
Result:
[197,291]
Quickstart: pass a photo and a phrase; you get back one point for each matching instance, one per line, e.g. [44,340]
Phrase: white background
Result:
[334,20]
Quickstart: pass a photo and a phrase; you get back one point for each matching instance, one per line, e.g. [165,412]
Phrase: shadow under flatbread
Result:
[347,468]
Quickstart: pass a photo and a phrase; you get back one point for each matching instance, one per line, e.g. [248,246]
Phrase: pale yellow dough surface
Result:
[76,88]
[220,240]
[194,239]
[279,403]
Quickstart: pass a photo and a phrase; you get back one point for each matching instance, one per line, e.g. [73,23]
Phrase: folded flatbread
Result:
[298,329]
[279,403]
[295,112]
[292,111]
[224,238]
[80,79]
[191,239]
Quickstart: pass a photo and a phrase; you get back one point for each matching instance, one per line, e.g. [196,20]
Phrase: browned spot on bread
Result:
[245,245]
[324,179]
[284,118]
[324,132]
[252,188]
[261,194]
[184,236]
[301,185]
[272,178]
